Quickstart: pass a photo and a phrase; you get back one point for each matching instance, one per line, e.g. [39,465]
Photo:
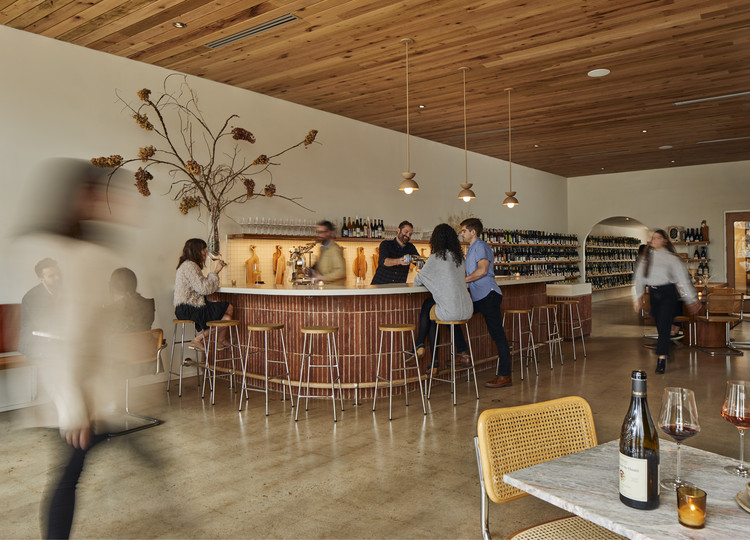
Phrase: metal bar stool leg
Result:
[301,372]
[419,374]
[377,372]
[580,328]
[434,356]
[471,356]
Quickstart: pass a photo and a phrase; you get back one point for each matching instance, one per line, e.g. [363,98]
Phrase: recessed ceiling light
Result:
[536,146]
[421,106]
[601,72]
[672,161]
[666,147]
[179,24]
[644,131]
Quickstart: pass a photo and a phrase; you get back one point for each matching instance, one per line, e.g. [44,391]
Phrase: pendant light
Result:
[510,201]
[407,185]
[466,193]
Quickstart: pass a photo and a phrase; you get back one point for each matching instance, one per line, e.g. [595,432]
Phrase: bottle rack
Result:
[697,265]
[534,253]
[610,261]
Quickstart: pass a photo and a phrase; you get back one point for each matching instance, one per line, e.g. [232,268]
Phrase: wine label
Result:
[634,478]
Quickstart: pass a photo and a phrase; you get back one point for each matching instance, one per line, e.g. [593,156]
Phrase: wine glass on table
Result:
[678,419]
[736,410]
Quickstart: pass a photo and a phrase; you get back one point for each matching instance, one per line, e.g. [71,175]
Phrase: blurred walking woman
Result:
[667,279]
[191,288]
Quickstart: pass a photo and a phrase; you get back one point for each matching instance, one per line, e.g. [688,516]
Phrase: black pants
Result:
[62,499]
[664,302]
[489,307]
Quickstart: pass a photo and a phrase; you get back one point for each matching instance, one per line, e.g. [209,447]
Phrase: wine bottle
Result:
[639,451]
[344,230]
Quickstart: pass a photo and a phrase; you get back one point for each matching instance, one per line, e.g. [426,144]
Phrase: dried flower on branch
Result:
[249,186]
[107,162]
[145,153]
[189,202]
[142,120]
[193,167]
[261,160]
[269,190]
[310,137]
[144,93]
[141,181]
[239,134]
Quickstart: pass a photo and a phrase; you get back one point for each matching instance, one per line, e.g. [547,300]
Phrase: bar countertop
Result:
[289,289]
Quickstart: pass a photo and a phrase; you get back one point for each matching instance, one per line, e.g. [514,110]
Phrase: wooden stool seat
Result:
[182,321]
[264,327]
[568,302]
[319,329]
[544,306]
[517,311]
[223,323]
[396,327]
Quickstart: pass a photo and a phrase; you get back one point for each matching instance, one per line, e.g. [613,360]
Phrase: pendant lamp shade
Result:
[407,185]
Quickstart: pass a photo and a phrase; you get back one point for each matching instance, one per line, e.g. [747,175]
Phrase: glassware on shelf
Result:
[679,420]
[736,410]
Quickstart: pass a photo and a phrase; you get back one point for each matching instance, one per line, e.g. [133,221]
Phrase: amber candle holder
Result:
[691,506]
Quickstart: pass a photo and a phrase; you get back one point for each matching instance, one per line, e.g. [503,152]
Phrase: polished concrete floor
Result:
[211,472]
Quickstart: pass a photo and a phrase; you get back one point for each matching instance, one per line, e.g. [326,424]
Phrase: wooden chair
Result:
[513,438]
[723,308]
[135,354]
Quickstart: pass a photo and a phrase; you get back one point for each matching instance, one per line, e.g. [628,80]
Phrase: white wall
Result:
[663,197]
[59,100]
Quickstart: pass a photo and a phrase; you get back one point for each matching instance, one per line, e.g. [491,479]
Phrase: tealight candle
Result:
[691,506]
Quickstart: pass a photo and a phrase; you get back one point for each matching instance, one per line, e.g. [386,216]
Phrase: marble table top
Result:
[586,484]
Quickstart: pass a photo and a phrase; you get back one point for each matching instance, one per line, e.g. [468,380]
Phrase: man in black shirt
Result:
[393,266]
[40,310]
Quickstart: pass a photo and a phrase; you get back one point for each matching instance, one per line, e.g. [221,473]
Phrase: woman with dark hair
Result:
[444,275]
[667,279]
[191,288]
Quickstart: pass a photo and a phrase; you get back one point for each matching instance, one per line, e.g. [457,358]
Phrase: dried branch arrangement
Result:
[205,170]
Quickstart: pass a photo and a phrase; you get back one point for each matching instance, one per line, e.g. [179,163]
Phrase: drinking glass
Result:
[736,410]
[678,419]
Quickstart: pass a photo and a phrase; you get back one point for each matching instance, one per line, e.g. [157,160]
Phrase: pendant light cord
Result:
[466,157]
[408,165]
[510,147]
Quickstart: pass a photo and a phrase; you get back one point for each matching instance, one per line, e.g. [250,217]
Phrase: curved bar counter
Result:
[357,312]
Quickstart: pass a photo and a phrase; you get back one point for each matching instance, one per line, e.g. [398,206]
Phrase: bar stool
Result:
[405,357]
[183,360]
[212,351]
[309,332]
[245,391]
[568,304]
[515,316]
[554,340]
[452,358]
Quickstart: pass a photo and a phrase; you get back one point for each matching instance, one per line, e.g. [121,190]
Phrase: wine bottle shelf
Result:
[607,275]
[698,260]
[698,242]
[613,287]
[631,248]
[541,261]
[510,245]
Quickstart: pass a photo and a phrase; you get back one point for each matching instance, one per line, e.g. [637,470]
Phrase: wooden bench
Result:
[10,330]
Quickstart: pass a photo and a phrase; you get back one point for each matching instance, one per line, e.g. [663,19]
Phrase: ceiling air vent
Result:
[254,31]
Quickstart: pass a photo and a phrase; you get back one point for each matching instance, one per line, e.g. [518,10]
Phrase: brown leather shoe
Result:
[463,359]
[499,382]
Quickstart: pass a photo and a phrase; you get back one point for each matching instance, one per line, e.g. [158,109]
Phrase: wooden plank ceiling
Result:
[346,57]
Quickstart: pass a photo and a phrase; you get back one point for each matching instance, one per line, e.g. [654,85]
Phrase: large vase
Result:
[214,244]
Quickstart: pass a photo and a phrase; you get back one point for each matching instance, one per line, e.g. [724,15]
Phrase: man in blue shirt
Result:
[486,295]
[393,267]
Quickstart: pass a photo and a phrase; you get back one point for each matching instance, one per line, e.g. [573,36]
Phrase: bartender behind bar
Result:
[395,257]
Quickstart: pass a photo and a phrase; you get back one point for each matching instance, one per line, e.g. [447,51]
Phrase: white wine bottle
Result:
[639,451]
